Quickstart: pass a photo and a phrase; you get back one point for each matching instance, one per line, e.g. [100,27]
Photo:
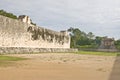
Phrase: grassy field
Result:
[99,53]
[8,60]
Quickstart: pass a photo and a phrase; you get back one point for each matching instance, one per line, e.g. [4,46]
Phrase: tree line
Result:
[80,39]
[7,14]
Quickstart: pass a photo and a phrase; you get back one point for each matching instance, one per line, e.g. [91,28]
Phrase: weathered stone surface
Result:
[15,33]
[16,50]
[107,44]
[108,50]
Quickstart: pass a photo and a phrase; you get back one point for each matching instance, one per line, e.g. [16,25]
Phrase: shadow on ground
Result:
[115,74]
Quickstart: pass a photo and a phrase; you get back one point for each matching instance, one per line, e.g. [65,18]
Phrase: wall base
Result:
[23,50]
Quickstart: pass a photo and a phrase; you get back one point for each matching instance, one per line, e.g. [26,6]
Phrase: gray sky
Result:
[102,17]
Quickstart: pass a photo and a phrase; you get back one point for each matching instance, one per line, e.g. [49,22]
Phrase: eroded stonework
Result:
[25,19]
[107,43]
[19,33]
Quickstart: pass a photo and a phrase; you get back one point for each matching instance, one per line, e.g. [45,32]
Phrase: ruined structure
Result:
[25,19]
[107,44]
[21,33]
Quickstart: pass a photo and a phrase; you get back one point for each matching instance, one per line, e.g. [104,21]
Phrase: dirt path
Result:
[59,67]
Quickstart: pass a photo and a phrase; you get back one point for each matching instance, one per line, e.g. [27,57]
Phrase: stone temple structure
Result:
[21,33]
[25,19]
[107,44]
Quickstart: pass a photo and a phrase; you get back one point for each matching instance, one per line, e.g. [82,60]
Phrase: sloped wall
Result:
[14,33]
[24,50]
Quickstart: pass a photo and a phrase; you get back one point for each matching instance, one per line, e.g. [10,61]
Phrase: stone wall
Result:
[24,50]
[108,50]
[15,33]
[107,43]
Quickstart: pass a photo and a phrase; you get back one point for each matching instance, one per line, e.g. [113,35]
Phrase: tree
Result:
[75,36]
[90,35]
[98,40]
[80,38]
[10,15]
[117,43]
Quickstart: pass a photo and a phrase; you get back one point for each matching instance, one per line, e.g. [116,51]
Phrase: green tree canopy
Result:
[10,15]
[80,38]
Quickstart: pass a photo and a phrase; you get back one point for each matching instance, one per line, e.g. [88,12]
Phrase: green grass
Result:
[99,53]
[9,60]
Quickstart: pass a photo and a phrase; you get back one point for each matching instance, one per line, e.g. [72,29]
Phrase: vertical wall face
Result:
[24,19]
[107,43]
[14,33]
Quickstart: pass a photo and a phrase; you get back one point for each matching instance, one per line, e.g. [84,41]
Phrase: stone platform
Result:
[108,50]
[23,50]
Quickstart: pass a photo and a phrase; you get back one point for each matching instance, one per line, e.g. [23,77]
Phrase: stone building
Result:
[25,19]
[107,43]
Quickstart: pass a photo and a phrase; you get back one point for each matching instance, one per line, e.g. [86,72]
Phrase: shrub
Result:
[10,15]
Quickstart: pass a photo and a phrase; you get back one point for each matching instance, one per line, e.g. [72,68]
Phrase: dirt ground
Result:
[59,66]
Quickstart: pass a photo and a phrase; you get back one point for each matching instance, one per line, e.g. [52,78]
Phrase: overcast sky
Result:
[102,17]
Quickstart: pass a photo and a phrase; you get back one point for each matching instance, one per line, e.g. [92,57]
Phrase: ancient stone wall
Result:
[24,50]
[15,33]
[107,43]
